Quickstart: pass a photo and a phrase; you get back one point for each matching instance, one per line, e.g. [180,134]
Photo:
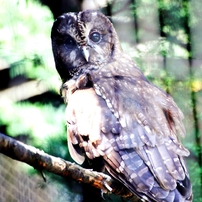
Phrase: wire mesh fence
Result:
[17,186]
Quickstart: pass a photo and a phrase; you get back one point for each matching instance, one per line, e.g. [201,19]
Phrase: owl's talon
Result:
[107,187]
[102,194]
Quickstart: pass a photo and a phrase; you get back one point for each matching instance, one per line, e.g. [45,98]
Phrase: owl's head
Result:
[80,39]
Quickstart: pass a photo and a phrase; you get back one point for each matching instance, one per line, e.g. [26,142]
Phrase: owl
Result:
[115,113]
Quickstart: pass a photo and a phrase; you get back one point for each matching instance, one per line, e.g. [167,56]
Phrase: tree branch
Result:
[43,161]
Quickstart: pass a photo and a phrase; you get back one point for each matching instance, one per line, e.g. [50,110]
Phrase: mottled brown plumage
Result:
[115,113]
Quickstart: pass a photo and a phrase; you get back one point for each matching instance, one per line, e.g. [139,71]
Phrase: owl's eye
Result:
[69,42]
[95,37]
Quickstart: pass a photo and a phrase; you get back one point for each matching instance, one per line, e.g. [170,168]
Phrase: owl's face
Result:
[83,38]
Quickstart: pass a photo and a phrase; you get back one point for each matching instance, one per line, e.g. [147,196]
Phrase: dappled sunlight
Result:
[163,37]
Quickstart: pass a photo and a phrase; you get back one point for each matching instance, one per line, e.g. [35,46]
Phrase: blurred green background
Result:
[164,38]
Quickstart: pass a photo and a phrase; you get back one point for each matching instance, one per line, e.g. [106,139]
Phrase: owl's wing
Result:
[150,123]
[89,120]
[134,126]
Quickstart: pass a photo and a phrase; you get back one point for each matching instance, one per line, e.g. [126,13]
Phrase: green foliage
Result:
[25,46]
[39,121]
[25,39]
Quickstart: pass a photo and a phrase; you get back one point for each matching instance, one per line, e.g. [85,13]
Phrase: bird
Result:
[114,113]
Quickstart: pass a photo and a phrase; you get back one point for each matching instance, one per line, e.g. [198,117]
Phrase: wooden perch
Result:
[43,161]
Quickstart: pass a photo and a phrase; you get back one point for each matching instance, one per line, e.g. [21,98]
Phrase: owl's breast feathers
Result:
[134,125]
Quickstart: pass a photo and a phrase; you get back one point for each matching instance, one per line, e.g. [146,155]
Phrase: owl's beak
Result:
[85,52]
